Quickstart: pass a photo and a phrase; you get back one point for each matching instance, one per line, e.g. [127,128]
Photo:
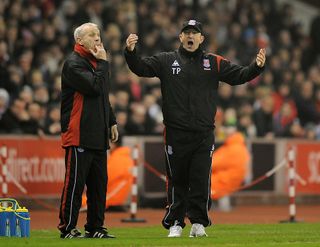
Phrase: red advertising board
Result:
[35,166]
[307,164]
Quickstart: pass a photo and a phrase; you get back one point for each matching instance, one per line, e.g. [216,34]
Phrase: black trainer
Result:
[74,233]
[99,233]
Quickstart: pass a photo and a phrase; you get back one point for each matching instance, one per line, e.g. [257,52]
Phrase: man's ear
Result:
[79,41]
[180,37]
[201,39]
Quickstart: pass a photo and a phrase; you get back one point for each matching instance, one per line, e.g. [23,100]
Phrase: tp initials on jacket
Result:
[175,68]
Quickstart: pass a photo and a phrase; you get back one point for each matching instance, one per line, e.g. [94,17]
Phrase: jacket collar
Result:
[189,54]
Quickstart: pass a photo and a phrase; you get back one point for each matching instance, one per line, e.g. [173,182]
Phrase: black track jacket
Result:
[86,114]
[189,84]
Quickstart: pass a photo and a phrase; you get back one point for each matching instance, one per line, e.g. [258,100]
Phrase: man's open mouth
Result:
[190,42]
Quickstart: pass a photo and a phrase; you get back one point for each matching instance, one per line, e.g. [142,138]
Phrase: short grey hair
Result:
[78,32]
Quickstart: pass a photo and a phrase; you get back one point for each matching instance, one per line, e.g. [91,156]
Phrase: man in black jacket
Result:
[86,119]
[189,83]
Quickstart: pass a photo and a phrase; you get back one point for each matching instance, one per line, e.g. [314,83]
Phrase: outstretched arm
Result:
[235,74]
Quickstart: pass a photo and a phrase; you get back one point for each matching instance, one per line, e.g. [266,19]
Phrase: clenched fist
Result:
[132,41]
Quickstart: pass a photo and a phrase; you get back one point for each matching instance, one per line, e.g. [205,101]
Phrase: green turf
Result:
[299,234]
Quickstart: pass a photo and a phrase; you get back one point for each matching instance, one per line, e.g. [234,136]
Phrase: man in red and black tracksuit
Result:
[189,84]
[86,119]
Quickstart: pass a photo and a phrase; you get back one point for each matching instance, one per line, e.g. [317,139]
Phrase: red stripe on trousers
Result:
[66,185]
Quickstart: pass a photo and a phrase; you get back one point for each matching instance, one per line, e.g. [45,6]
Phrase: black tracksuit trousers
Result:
[188,166]
[83,167]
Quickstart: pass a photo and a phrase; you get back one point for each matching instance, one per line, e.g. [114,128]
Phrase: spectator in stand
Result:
[4,104]
[230,117]
[317,98]
[241,96]
[55,91]
[283,120]
[121,101]
[4,61]
[246,126]
[297,130]
[267,79]
[13,118]
[153,109]
[139,123]
[122,119]
[307,111]
[314,75]
[225,96]
[34,124]
[41,95]
[315,37]
[282,96]
[15,83]
[52,125]
[26,94]
[263,118]
[25,65]
[37,79]
[311,132]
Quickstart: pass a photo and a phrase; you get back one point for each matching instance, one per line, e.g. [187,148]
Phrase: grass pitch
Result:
[298,234]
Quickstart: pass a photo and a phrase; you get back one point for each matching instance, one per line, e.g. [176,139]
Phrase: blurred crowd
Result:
[37,35]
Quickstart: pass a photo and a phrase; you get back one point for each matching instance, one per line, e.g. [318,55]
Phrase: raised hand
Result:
[131,41]
[261,57]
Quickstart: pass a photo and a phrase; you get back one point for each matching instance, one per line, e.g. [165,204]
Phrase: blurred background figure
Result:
[263,117]
[229,166]
[52,125]
[120,166]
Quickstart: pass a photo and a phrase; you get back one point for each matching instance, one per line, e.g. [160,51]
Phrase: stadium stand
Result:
[36,35]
